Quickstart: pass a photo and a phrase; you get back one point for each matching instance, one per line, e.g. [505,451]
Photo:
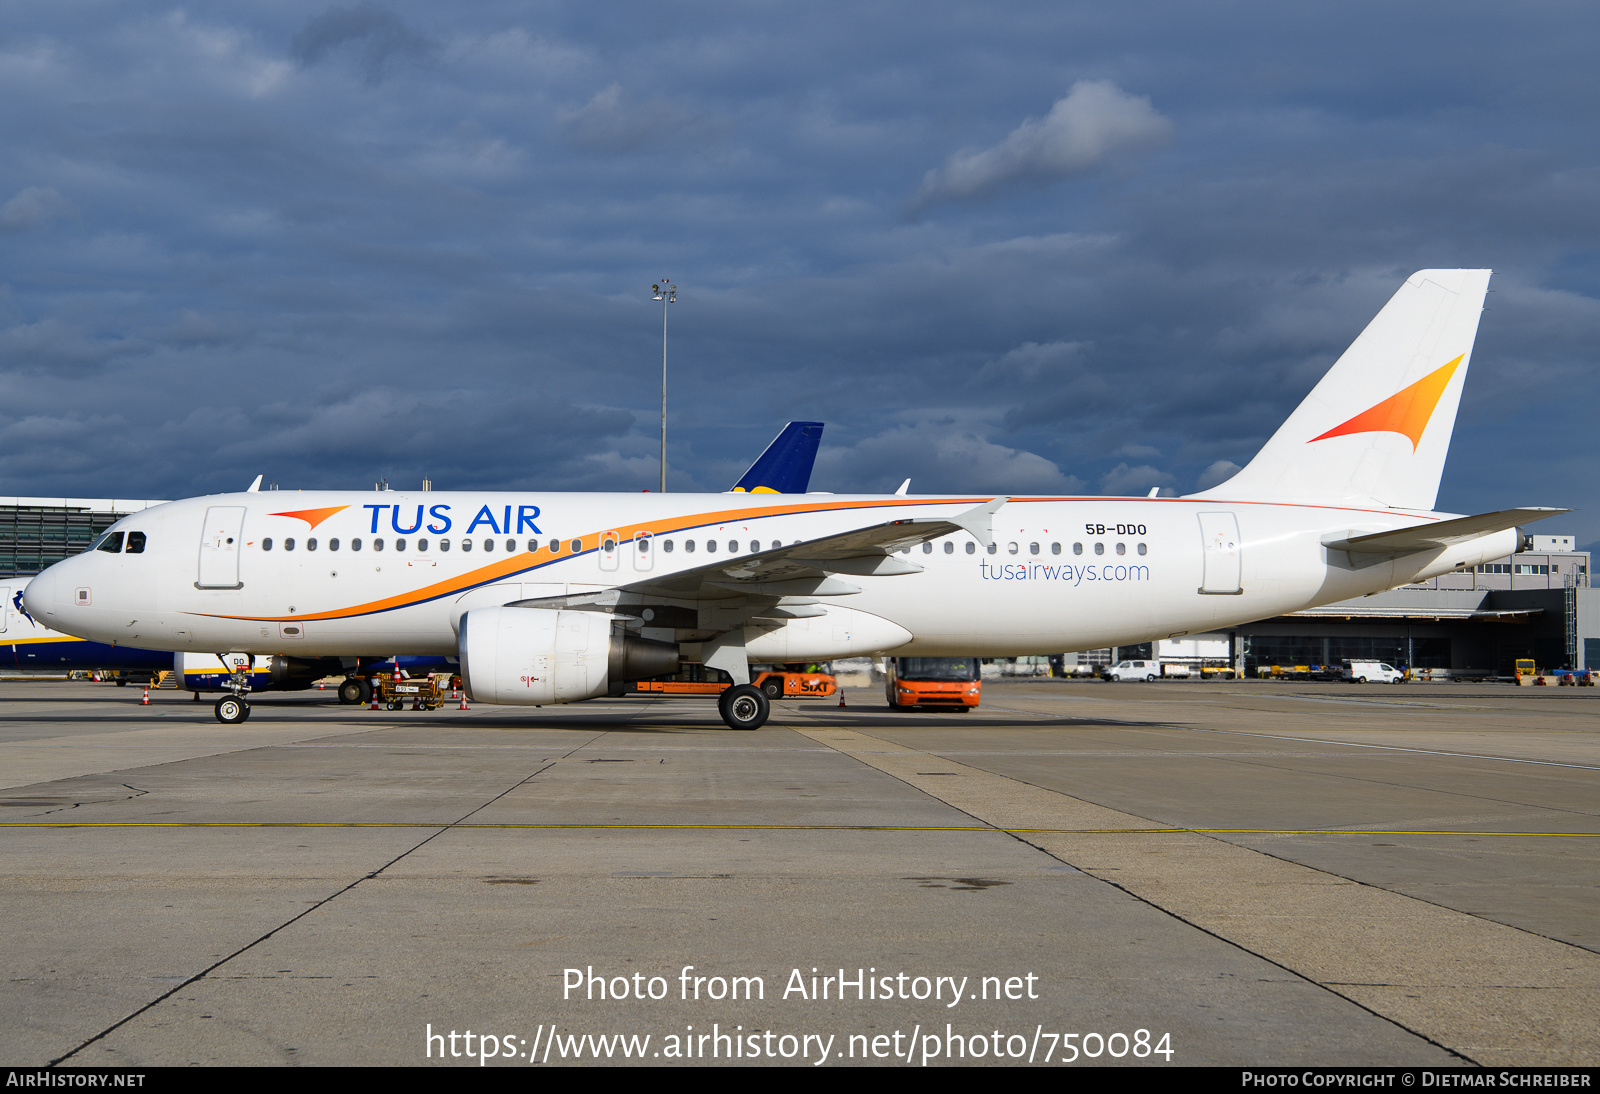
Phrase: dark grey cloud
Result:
[375,35]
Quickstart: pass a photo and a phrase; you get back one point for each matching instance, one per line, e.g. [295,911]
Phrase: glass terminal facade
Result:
[38,532]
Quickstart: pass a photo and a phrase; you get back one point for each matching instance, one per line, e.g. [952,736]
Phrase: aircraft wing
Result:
[806,569]
[1427,537]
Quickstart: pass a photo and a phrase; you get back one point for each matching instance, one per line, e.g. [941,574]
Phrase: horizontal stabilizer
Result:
[1427,537]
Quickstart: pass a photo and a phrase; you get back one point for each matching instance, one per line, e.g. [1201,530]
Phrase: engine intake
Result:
[535,656]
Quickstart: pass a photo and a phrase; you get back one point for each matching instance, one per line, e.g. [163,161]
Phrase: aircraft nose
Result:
[42,597]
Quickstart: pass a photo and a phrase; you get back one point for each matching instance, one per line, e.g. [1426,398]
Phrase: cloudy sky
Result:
[1018,247]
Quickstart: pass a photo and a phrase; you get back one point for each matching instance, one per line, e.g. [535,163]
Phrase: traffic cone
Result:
[146,700]
[463,700]
[374,698]
[841,699]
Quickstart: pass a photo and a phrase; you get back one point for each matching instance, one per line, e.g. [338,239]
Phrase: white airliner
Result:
[555,598]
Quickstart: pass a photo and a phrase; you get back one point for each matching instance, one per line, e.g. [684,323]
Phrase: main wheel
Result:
[231,710]
[773,688]
[354,690]
[744,707]
[121,683]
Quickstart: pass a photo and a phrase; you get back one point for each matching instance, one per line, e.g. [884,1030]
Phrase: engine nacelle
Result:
[537,656]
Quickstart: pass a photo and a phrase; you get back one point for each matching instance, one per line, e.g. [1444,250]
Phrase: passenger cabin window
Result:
[422,545]
[111,544]
[688,545]
[400,544]
[927,548]
[288,544]
[755,545]
[1055,548]
[1033,548]
[666,545]
[577,546]
[711,545]
[355,544]
[266,544]
[377,545]
[643,545]
[511,546]
[993,548]
[1122,548]
[1077,548]
[776,544]
[949,548]
[135,543]
[1099,548]
[333,545]
[488,545]
[1011,548]
[733,546]
[972,548]
[466,545]
[1142,548]
[533,545]
[444,545]
[311,544]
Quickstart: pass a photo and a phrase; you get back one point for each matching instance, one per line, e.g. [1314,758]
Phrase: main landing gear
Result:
[744,707]
[355,690]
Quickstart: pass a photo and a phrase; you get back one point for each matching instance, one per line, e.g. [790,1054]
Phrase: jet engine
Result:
[535,656]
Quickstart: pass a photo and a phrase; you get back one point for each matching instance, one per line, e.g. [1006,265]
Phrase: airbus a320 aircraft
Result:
[556,598]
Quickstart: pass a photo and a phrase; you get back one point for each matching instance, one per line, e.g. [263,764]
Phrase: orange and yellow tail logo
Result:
[1406,412]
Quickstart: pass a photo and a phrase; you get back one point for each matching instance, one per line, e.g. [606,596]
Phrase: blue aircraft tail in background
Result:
[785,467]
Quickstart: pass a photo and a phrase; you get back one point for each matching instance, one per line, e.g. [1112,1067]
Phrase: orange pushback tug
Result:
[949,683]
[798,681]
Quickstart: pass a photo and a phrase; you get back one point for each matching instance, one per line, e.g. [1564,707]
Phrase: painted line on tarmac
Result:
[1397,748]
[809,828]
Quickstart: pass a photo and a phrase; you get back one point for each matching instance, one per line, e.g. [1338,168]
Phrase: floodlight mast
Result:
[667,293]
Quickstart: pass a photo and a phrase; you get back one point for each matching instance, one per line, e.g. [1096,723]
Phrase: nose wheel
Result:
[744,707]
[231,710]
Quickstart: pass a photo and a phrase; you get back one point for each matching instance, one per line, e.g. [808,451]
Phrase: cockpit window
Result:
[110,543]
[135,543]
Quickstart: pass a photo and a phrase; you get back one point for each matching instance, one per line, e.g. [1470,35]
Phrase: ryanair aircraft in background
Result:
[784,467]
[555,598]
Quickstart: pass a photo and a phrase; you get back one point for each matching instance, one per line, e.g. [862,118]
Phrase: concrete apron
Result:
[1492,993]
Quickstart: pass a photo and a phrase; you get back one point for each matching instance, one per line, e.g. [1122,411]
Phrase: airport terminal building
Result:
[1477,622]
[36,533]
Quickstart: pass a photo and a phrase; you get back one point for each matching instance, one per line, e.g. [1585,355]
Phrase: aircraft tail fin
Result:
[1377,427]
[785,467]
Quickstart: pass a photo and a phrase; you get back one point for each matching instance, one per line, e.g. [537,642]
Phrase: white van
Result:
[1376,672]
[1133,670]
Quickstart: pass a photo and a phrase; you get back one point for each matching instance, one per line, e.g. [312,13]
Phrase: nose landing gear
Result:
[233,709]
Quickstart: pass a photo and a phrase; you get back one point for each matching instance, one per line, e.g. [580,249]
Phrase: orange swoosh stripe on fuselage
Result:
[534,560]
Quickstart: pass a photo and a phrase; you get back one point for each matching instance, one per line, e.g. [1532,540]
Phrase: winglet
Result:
[979,520]
[903,488]
[255,487]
